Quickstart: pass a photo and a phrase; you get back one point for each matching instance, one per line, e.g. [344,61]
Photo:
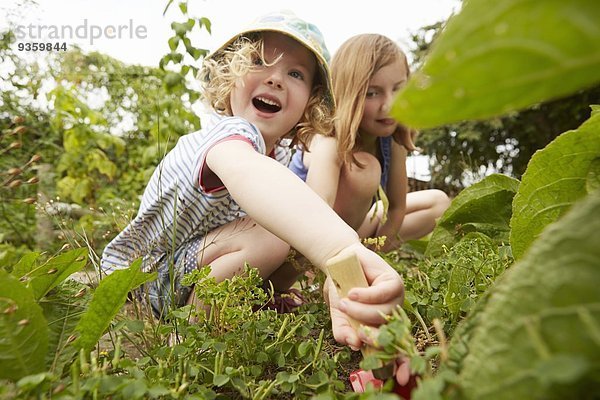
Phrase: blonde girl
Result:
[369,148]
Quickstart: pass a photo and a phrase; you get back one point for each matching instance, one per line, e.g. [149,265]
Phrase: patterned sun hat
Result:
[287,23]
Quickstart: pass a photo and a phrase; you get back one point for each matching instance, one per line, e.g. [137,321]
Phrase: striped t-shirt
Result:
[175,206]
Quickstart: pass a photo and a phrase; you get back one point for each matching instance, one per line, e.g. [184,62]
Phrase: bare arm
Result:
[323,168]
[271,194]
[396,191]
[278,200]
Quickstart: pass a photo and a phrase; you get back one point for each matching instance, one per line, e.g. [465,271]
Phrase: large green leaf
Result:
[48,275]
[482,207]
[25,265]
[108,299]
[498,56]
[537,333]
[555,178]
[63,309]
[23,330]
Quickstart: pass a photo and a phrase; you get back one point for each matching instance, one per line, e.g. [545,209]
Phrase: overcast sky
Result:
[338,20]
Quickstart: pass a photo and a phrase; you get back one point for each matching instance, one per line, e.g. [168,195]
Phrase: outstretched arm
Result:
[278,200]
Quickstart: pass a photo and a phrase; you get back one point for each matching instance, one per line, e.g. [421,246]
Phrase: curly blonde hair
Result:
[352,67]
[220,72]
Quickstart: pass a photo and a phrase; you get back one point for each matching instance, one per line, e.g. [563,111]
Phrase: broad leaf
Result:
[108,299]
[25,265]
[63,309]
[23,330]
[537,331]
[498,56]
[482,207]
[555,178]
[48,275]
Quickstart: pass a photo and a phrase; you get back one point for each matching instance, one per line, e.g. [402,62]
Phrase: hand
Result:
[366,305]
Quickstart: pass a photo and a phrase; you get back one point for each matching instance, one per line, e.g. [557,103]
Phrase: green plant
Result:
[533,334]
[491,59]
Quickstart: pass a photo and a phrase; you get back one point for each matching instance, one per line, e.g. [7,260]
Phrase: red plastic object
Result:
[360,379]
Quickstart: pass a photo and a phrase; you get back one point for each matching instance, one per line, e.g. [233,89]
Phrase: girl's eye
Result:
[297,75]
[371,93]
[258,61]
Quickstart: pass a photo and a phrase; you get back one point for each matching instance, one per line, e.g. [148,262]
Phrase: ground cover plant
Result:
[501,300]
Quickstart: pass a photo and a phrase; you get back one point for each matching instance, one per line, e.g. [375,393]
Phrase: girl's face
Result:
[383,86]
[274,97]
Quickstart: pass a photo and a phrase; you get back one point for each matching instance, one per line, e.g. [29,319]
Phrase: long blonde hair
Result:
[219,74]
[352,67]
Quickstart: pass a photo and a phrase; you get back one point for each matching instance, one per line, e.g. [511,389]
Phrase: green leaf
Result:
[304,348]
[205,22]
[482,207]
[135,389]
[544,310]
[23,330]
[63,309]
[96,159]
[173,42]
[172,79]
[494,57]
[108,299]
[30,382]
[179,28]
[25,264]
[563,369]
[220,380]
[190,23]
[47,276]
[592,181]
[555,178]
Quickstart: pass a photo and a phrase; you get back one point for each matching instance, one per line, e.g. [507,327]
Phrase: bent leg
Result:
[423,208]
[228,248]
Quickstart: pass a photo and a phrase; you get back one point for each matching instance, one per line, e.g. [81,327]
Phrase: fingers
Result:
[386,289]
[366,314]
[369,305]
[402,371]
[343,332]
[369,335]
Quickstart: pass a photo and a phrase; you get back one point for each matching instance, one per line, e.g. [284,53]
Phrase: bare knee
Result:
[441,202]
[228,248]
[272,250]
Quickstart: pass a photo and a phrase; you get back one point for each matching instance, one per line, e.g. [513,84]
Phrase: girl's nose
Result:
[387,102]
[274,79]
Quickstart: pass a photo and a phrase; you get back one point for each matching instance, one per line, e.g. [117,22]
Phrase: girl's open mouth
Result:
[266,105]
